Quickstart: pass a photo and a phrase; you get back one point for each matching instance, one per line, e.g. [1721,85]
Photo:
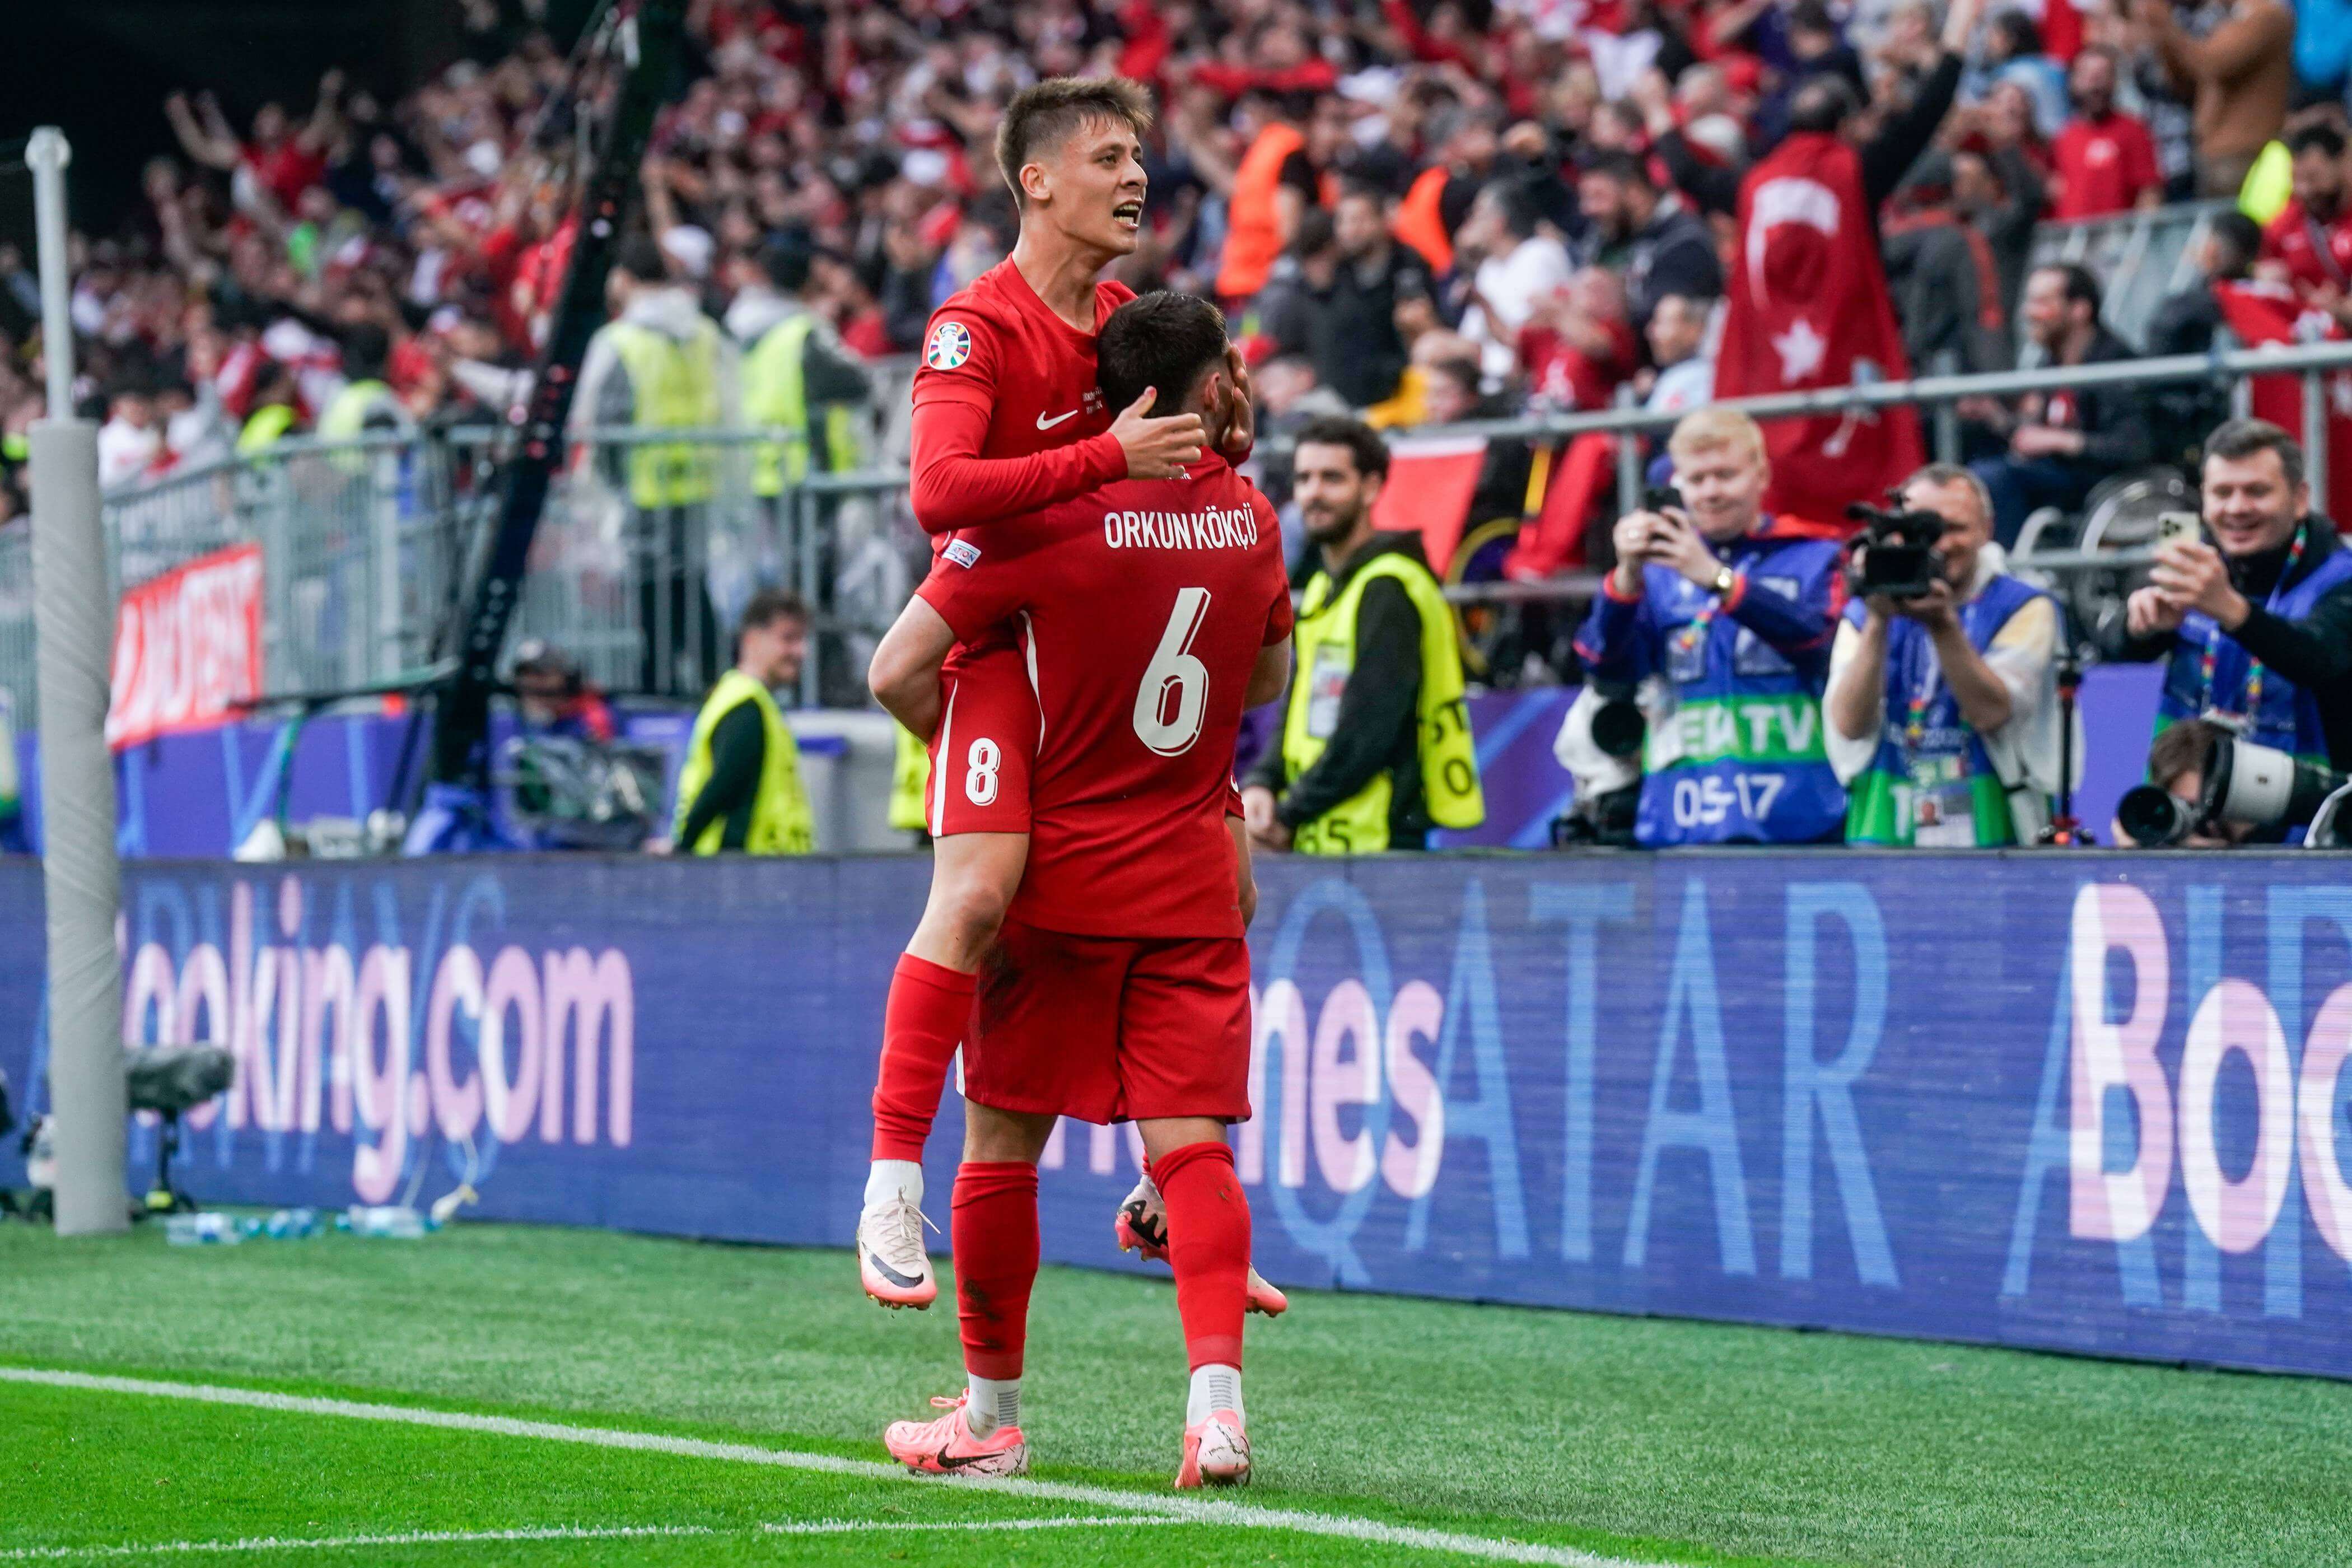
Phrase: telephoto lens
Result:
[2152,817]
[2262,786]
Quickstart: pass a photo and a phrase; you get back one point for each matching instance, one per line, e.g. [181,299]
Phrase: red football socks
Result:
[994,1233]
[922,1023]
[1208,1245]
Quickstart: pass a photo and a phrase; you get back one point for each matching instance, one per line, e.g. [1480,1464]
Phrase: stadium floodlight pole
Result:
[72,620]
[461,719]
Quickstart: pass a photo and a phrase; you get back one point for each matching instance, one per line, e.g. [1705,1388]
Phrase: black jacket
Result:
[1349,330]
[2112,419]
[1378,725]
[2313,653]
[1674,253]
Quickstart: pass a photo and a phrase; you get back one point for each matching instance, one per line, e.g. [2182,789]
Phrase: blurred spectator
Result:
[2105,162]
[2012,57]
[2062,444]
[1518,264]
[797,372]
[277,409]
[1351,320]
[1734,612]
[1684,376]
[1273,183]
[1288,394]
[2239,78]
[1999,191]
[365,405]
[2255,618]
[130,443]
[2309,244]
[1577,346]
[660,363]
[1375,744]
[1943,708]
[2184,325]
[1941,274]
[1630,227]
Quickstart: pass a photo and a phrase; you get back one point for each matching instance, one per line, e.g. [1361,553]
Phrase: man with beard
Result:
[1375,745]
[2063,444]
[2105,161]
[1659,246]
[2310,244]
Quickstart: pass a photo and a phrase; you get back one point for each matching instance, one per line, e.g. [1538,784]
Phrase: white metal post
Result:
[73,620]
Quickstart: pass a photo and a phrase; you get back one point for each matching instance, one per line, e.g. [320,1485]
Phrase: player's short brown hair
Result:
[1054,110]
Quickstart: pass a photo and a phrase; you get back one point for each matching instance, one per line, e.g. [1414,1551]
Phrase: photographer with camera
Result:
[1942,705]
[2254,618]
[1736,611]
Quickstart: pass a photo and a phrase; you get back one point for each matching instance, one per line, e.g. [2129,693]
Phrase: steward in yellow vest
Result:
[796,374]
[659,364]
[741,787]
[1375,747]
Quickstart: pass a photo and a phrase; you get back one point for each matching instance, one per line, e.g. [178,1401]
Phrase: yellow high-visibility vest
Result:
[780,820]
[775,392]
[676,388]
[1326,656]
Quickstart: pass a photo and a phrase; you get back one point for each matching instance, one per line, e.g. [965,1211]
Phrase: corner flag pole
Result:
[72,620]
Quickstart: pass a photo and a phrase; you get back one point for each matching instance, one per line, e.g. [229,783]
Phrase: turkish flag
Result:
[2261,313]
[1809,308]
[1428,491]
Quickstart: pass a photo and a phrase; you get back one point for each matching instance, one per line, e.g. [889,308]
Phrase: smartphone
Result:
[2178,527]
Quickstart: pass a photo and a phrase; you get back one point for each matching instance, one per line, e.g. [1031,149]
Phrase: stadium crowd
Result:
[1425,210]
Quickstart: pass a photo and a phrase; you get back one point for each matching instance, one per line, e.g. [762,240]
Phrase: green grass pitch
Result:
[733,1398]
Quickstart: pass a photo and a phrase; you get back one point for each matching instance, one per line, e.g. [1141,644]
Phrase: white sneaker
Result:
[891,1262]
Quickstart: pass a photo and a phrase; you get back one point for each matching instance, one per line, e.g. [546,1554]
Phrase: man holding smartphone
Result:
[2254,622]
[1731,615]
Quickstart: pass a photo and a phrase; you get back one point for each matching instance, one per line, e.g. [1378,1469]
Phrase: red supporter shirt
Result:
[2316,255]
[2102,166]
[1004,377]
[1145,604]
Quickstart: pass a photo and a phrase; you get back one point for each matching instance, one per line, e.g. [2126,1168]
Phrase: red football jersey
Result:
[2316,254]
[996,347]
[1144,605]
[2102,166]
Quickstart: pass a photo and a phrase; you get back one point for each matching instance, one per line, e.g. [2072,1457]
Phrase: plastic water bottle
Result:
[201,1230]
[292,1224]
[395,1220]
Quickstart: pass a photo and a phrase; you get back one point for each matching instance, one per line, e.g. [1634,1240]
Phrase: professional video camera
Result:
[1613,729]
[567,793]
[1899,558]
[2244,786]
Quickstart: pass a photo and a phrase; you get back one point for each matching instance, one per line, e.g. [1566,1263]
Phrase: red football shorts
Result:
[1111,1028]
[987,742]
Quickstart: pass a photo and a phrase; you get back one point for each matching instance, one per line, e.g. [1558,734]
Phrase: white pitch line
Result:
[862,1526]
[341,1543]
[1201,1511]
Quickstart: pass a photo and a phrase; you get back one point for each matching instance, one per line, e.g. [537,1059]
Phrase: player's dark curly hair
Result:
[1164,341]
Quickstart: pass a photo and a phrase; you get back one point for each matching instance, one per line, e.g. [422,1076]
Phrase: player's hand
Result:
[1157,448]
[2149,611]
[1933,609]
[1241,436]
[1257,815]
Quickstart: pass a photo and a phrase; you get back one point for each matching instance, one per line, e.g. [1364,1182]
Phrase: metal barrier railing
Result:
[365,542]
[2146,257]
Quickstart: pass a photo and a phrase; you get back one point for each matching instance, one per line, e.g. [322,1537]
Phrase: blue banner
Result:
[2080,1101]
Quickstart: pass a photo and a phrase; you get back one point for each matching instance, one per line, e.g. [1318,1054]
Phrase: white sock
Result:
[991,1403]
[1215,1387]
[894,1178]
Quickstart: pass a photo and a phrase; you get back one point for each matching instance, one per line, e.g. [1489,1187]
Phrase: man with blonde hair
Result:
[1724,616]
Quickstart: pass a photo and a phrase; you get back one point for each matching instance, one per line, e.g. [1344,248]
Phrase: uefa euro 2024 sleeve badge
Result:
[951,345]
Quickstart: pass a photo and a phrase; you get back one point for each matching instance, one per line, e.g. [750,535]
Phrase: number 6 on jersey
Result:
[1171,735]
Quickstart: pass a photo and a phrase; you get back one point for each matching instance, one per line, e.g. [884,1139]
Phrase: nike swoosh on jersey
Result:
[1046,423]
